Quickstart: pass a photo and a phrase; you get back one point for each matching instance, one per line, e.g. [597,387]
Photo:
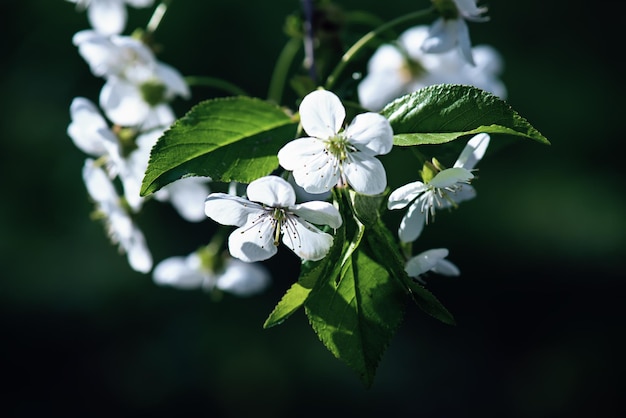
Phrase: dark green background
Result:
[539,304]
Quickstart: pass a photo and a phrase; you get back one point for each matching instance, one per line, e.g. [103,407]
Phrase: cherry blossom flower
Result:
[431,260]
[138,87]
[119,225]
[270,211]
[109,17]
[447,188]
[332,156]
[403,67]
[450,30]
[200,270]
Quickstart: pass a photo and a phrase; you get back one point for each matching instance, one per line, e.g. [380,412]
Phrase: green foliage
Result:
[227,139]
[442,113]
[354,298]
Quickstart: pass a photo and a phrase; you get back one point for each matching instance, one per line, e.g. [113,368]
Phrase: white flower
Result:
[187,195]
[270,212]
[330,155]
[109,17]
[446,189]
[120,227]
[431,260]
[138,86]
[89,130]
[191,272]
[450,30]
[403,67]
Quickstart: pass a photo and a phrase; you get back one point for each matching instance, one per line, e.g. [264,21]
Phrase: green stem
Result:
[281,70]
[366,39]
[216,83]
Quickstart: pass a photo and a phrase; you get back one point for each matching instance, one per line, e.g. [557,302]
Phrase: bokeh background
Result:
[539,305]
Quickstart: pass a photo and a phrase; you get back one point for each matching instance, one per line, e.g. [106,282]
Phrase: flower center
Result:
[279,216]
[339,147]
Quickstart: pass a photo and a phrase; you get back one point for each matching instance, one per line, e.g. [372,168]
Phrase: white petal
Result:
[254,241]
[463,40]
[425,261]
[272,191]
[230,210]
[318,213]
[322,114]
[465,192]
[304,239]
[173,80]
[107,17]
[88,129]
[177,272]
[122,102]
[411,41]
[387,58]
[442,36]
[450,176]
[404,195]
[99,185]
[98,51]
[446,268]
[378,89]
[365,174]
[412,223]
[243,279]
[139,256]
[314,169]
[188,196]
[469,10]
[304,196]
[158,117]
[370,133]
[298,153]
[473,151]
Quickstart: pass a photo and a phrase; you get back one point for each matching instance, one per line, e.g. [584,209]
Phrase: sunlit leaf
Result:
[441,113]
[227,139]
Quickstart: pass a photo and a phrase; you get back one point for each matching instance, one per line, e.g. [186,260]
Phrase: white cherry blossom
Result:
[404,67]
[450,30]
[270,211]
[431,260]
[195,271]
[138,87]
[331,155]
[119,225]
[109,17]
[447,188]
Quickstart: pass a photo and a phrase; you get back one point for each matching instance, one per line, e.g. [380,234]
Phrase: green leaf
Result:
[382,243]
[310,274]
[227,139]
[356,316]
[441,113]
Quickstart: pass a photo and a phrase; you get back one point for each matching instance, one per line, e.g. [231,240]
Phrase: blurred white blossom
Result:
[403,67]
[109,17]
[138,87]
[200,270]
[450,31]
[120,227]
[431,260]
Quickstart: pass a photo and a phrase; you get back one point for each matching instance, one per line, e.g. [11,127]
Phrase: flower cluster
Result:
[134,110]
